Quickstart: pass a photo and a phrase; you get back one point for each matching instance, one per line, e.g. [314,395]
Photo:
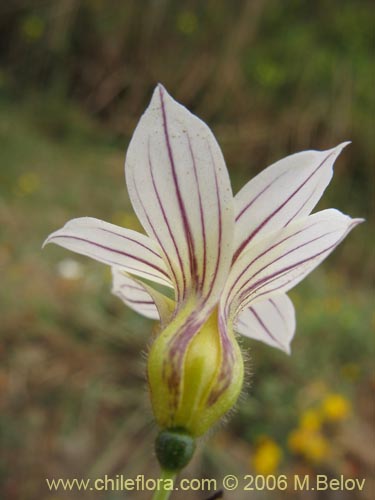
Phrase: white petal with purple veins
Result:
[141,297]
[288,189]
[113,245]
[282,259]
[179,187]
[134,295]
[271,321]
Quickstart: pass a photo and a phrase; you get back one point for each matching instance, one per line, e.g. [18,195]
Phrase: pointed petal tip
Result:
[350,222]
[346,219]
[46,242]
[337,149]
[334,152]
[159,94]
[357,221]
[343,145]
[285,348]
[162,91]
[160,87]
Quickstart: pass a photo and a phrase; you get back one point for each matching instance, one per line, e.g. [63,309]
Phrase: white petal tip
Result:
[161,92]
[50,238]
[160,87]
[288,350]
[343,145]
[159,95]
[337,149]
[355,222]
[45,242]
[285,348]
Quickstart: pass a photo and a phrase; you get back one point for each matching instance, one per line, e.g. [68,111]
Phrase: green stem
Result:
[161,493]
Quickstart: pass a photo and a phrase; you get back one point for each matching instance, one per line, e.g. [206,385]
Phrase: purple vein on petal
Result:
[165,218]
[276,289]
[219,222]
[272,247]
[275,306]
[277,210]
[313,240]
[264,327]
[301,207]
[128,268]
[201,213]
[287,253]
[185,221]
[254,199]
[156,236]
[129,239]
[132,287]
[113,250]
[277,274]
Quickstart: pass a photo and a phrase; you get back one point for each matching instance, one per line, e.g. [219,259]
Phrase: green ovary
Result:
[196,392]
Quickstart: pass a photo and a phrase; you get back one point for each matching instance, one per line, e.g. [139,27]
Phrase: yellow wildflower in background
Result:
[336,407]
[296,440]
[310,444]
[267,457]
[316,448]
[310,420]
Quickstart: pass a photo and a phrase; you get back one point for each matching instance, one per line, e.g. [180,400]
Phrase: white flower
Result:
[234,256]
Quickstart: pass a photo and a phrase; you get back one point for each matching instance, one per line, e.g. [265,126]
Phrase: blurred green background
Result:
[270,77]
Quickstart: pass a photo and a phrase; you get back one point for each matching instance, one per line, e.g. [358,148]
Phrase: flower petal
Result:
[282,259]
[113,245]
[179,187]
[288,189]
[140,297]
[271,321]
[133,295]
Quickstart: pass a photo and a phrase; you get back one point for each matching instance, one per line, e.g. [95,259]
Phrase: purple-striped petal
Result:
[283,258]
[133,295]
[179,187]
[113,245]
[271,321]
[141,297]
[287,190]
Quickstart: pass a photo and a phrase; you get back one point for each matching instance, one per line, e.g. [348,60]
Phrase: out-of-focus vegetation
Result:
[271,78]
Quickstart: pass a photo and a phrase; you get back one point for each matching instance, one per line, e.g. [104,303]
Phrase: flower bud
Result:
[195,373]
